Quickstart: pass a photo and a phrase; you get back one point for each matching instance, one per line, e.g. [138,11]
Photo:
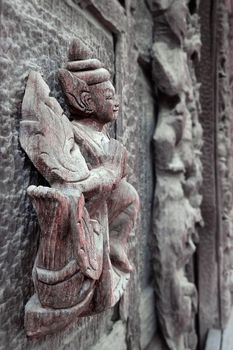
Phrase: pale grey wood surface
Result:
[213,340]
[227,336]
[221,339]
[147,316]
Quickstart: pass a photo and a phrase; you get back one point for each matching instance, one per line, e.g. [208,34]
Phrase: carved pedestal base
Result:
[41,321]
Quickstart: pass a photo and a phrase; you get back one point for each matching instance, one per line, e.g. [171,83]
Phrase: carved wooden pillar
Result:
[216,238]
[224,161]
[207,250]
[178,142]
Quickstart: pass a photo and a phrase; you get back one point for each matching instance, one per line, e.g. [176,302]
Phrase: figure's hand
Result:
[102,179]
[49,193]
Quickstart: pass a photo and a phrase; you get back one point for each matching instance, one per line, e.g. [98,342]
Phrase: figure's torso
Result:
[92,143]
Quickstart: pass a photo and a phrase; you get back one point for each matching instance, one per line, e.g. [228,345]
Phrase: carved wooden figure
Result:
[88,213]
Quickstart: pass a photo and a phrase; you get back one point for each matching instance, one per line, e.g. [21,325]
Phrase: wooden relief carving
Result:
[178,141]
[88,213]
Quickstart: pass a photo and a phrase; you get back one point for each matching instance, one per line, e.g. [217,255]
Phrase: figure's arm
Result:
[104,177]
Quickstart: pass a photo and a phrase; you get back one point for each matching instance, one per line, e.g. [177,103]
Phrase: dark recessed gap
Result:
[122,2]
[146,67]
[116,313]
[192,6]
[194,57]
[170,101]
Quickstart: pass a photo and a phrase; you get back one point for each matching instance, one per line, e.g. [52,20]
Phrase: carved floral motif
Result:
[88,213]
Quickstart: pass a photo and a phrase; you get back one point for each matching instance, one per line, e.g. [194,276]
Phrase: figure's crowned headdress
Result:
[81,72]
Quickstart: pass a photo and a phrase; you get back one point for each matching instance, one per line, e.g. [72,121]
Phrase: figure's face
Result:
[106,102]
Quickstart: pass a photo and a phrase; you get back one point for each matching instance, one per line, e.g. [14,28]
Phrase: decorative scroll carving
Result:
[88,213]
[178,141]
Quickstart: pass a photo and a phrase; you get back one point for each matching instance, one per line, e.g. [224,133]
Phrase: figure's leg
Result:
[123,207]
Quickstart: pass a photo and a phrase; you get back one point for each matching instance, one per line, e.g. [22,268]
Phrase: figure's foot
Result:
[119,257]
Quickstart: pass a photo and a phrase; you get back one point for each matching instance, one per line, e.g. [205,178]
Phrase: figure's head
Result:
[106,102]
[88,88]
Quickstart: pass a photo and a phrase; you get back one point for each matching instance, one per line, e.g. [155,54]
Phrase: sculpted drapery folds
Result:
[88,213]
